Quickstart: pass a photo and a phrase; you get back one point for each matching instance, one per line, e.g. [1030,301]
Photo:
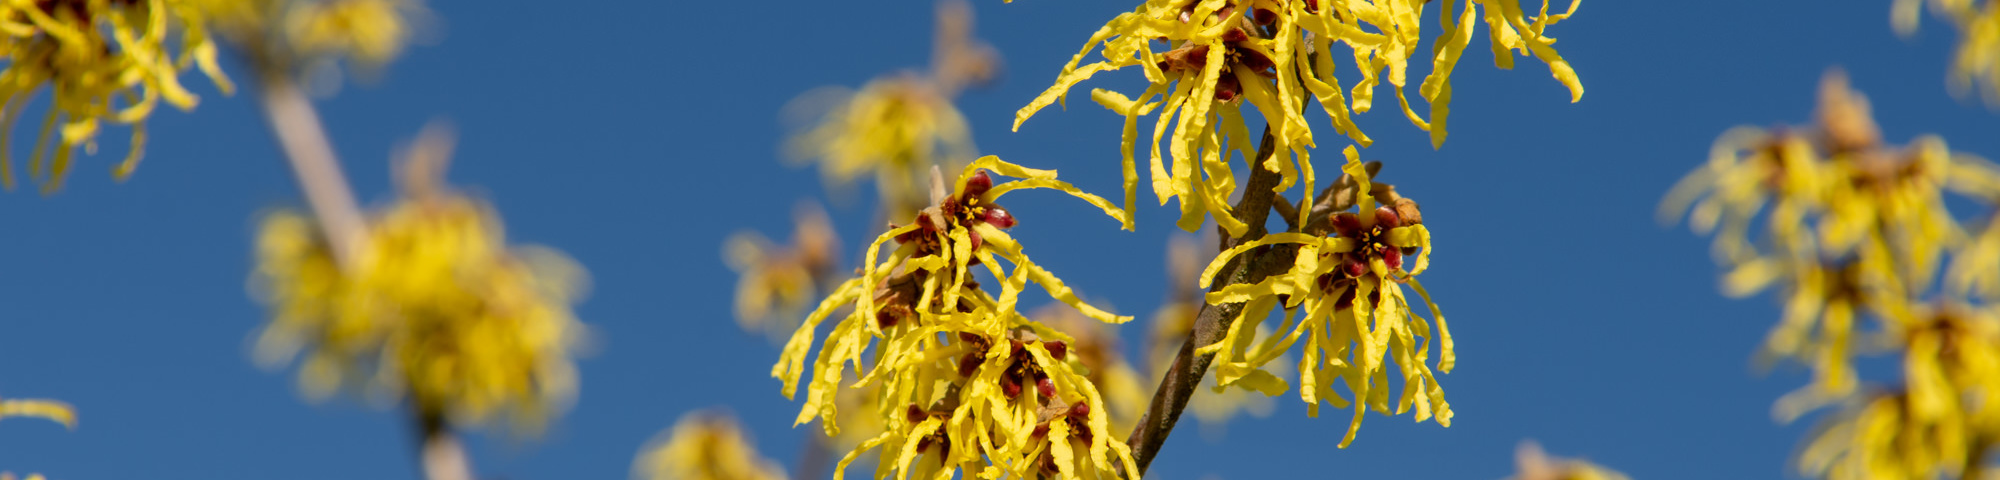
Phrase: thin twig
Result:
[303,138]
[1180,380]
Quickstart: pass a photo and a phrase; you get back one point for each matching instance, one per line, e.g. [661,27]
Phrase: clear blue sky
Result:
[636,135]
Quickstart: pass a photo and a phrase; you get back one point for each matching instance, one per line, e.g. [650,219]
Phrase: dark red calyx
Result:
[917,414]
[1010,387]
[969,363]
[1057,350]
[999,218]
[1393,258]
[1355,266]
[977,185]
[1235,35]
[1386,218]
[1047,387]
[1227,87]
[1264,16]
[1346,224]
[1079,410]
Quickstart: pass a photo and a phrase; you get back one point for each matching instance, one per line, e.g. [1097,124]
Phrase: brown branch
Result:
[1213,322]
[303,138]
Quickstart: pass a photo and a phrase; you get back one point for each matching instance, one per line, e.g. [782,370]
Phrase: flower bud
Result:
[1235,35]
[976,241]
[1010,387]
[1057,350]
[1080,409]
[1407,210]
[977,185]
[1227,87]
[1393,258]
[999,218]
[1386,218]
[1041,430]
[1047,387]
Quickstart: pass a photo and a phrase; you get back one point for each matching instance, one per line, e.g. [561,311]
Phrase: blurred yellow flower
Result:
[705,446]
[1939,423]
[779,282]
[438,310]
[1853,225]
[966,381]
[1533,464]
[1977,60]
[103,61]
[372,32]
[1344,298]
[897,127]
[1219,53]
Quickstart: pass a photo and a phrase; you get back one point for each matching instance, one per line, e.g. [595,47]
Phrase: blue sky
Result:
[636,136]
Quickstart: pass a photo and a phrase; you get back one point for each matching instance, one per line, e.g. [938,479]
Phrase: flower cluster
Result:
[779,282]
[284,34]
[103,61]
[705,446]
[965,381]
[898,126]
[1978,22]
[1855,233]
[1852,224]
[436,308]
[1344,297]
[1215,55]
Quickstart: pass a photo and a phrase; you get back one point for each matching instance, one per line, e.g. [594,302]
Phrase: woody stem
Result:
[1180,380]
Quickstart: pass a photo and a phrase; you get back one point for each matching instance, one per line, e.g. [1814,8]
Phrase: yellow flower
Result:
[372,32]
[1853,225]
[1344,297]
[966,381]
[1533,464]
[1217,54]
[103,60]
[896,128]
[1096,348]
[1978,22]
[778,283]
[1938,422]
[705,446]
[438,310]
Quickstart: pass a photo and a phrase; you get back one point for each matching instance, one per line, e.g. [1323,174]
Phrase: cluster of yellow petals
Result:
[1273,54]
[705,446]
[778,282]
[895,129]
[1850,225]
[965,381]
[1940,422]
[291,33]
[1977,60]
[898,126]
[1096,348]
[1531,463]
[437,309]
[1856,232]
[1343,297]
[103,61]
